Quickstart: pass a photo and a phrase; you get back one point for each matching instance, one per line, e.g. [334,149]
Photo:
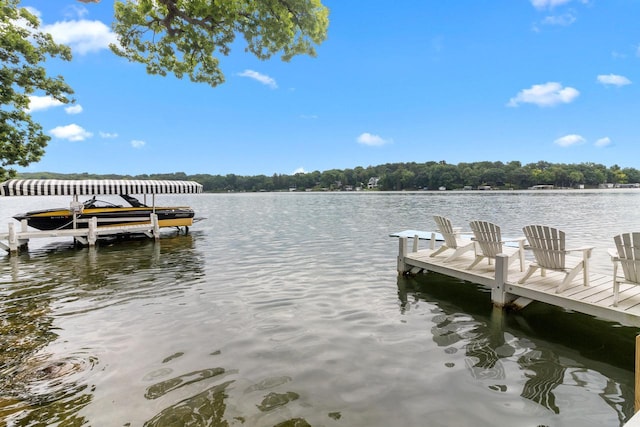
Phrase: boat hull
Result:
[61,219]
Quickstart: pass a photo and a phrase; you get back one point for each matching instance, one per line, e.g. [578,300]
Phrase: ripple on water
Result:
[46,384]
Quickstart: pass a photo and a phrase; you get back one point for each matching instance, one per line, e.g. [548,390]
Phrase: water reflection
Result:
[207,394]
[204,409]
[527,349]
[42,378]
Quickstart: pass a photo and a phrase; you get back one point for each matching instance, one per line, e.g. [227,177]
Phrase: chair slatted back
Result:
[446,229]
[547,245]
[628,247]
[488,237]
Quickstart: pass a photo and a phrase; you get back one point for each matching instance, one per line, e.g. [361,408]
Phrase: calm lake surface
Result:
[285,309]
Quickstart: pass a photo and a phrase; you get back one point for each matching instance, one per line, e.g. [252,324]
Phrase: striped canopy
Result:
[92,187]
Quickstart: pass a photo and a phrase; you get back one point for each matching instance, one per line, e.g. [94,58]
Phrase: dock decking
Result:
[595,299]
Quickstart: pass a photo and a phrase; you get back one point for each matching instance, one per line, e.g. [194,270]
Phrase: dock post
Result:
[13,238]
[402,252]
[156,226]
[498,292]
[92,235]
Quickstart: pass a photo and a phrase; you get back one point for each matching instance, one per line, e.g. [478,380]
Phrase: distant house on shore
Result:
[373,182]
[542,187]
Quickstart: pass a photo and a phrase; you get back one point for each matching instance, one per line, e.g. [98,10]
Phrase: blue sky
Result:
[411,81]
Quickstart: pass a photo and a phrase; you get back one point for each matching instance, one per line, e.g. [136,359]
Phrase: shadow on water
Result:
[209,407]
[549,346]
[38,382]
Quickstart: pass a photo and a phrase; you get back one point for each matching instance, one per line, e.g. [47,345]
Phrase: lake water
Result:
[285,309]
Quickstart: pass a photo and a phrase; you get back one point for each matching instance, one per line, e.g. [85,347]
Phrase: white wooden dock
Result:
[595,299]
[13,240]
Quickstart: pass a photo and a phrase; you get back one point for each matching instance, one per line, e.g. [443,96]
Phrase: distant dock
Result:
[14,240]
[502,279]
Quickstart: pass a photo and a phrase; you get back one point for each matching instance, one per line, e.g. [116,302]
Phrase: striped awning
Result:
[92,187]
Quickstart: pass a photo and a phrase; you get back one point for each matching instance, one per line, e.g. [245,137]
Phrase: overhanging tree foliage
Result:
[187,36]
[183,37]
[23,50]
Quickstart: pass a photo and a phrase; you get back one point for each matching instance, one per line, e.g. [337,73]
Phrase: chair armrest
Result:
[613,253]
[586,250]
[519,240]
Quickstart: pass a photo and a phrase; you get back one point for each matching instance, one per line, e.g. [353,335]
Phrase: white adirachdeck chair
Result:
[452,239]
[489,244]
[548,246]
[627,255]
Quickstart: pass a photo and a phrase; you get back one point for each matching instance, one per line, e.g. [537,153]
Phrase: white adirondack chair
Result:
[548,246]
[627,255]
[452,239]
[489,244]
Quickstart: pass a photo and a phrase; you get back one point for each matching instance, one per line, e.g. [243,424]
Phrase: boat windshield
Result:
[93,203]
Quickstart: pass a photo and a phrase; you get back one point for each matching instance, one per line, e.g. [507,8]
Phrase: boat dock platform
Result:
[14,240]
[596,299]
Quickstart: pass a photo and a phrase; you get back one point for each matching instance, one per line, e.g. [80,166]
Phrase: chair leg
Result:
[439,250]
[569,278]
[585,271]
[457,253]
[521,252]
[475,262]
[530,271]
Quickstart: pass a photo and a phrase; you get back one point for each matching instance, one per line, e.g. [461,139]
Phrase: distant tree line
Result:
[401,176]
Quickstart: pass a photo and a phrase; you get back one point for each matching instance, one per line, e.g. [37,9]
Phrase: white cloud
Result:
[308,116]
[76,11]
[136,143]
[108,135]
[40,103]
[563,20]
[545,95]
[544,4]
[74,109]
[613,79]
[82,36]
[569,140]
[603,142]
[299,170]
[372,140]
[71,132]
[264,79]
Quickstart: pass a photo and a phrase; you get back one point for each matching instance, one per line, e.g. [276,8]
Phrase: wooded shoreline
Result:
[400,177]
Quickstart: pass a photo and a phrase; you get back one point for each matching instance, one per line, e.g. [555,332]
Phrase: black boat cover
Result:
[92,187]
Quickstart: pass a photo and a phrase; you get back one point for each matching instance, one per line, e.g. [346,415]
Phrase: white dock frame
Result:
[596,299]
[17,239]
[502,279]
